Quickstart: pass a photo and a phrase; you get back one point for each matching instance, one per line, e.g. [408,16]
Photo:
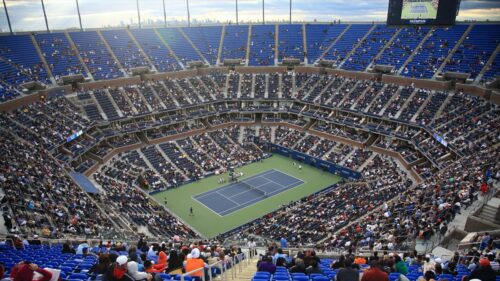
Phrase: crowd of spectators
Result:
[314,218]
[156,167]
[41,197]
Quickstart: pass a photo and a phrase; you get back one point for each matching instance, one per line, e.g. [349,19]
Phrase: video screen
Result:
[419,9]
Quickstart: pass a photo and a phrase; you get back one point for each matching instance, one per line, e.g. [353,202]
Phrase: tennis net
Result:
[251,187]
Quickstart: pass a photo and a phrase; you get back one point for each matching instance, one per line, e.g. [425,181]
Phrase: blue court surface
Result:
[237,195]
[418,9]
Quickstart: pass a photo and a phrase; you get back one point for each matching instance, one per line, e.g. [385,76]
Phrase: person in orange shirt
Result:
[359,260]
[161,264]
[195,262]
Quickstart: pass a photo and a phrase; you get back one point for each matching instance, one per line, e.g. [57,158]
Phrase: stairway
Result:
[488,64]
[42,59]
[77,53]
[379,54]
[416,50]
[452,52]
[489,212]
[110,50]
[247,272]
[334,42]
[170,50]
[139,47]
[249,40]
[304,43]
[353,51]
[193,45]
[221,43]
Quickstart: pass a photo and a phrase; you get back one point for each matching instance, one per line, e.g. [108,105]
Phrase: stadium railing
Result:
[221,268]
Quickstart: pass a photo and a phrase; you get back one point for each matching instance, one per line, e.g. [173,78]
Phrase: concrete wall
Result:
[471,90]
[476,224]
[493,96]
[262,69]
[336,138]
[109,83]
[419,83]
[401,160]
[36,96]
[353,74]
[177,74]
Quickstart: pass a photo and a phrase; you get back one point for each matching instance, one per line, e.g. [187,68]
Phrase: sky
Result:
[27,15]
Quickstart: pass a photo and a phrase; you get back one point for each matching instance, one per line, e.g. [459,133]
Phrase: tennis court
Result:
[237,195]
[417,8]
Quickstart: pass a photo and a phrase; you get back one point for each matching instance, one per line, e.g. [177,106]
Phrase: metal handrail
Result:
[237,263]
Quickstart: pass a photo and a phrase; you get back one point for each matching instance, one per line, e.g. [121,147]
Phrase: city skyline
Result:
[27,15]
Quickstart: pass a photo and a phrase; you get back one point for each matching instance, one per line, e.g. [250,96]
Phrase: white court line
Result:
[247,202]
[250,203]
[231,185]
[228,198]
[192,197]
[262,175]
[210,192]
[289,175]
[274,193]
[283,185]
[260,198]
[252,187]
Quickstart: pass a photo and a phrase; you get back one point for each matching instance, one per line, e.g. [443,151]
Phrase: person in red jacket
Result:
[375,273]
[25,271]
[484,188]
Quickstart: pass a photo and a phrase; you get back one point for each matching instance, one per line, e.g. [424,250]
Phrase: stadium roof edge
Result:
[75,29]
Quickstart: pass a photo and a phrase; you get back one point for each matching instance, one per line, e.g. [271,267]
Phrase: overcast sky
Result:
[27,15]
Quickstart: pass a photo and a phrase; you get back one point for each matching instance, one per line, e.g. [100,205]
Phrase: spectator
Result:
[161,263]
[400,265]
[24,271]
[194,263]
[313,265]
[284,243]
[340,263]
[299,266]
[267,265]
[68,249]
[279,254]
[484,272]
[118,270]
[428,265]
[493,263]
[359,260]
[348,273]
[133,271]
[375,273]
[485,241]
[133,255]
[101,267]
[174,263]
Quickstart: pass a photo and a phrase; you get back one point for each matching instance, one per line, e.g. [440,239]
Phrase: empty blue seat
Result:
[260,278]
[66,269]
[281,278]
[165,276]
[80,276]
[186,278]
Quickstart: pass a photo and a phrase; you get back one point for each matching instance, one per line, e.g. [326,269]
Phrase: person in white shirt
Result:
[252,247]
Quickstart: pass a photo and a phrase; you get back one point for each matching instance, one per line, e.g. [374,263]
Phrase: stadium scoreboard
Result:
[422,12]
